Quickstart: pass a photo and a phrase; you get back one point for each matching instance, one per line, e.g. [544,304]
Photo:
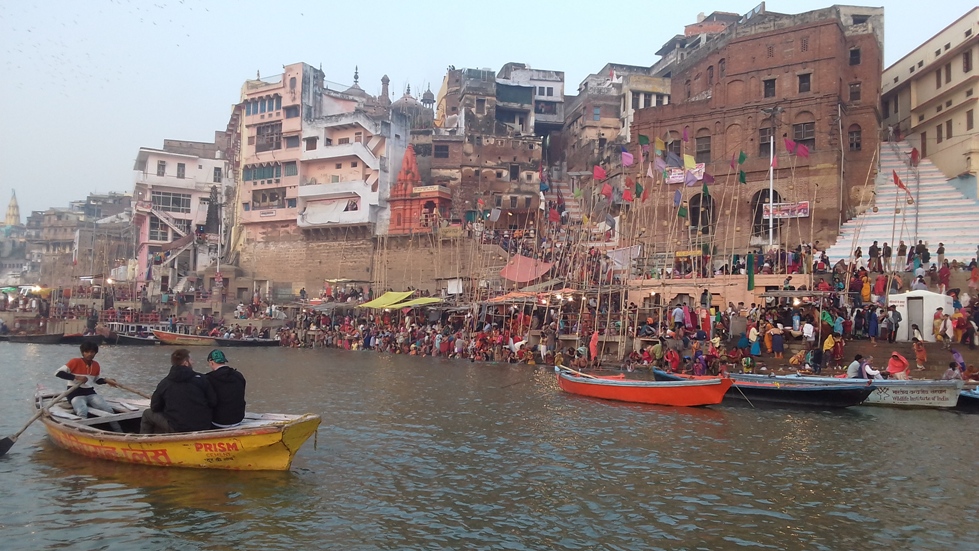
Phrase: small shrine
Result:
[416,208]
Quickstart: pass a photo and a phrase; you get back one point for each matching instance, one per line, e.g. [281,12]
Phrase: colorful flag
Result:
[686,136]
[734,160]
[577,193]
[638,189]
[790,145]
[627,195]
[627,158]
[610,221]
[554,216]
[672,159]
[645,194]
[689,178]
[689,162]
[660,144]
[607,190]
[598,173]
[742,158]
[802,151]
[750,268]
[649,171]
[682,211]
[708,178]
[774,161]
[704,191]
[660,165]
[643,140]
[742,177]
[677,197]
[645,148]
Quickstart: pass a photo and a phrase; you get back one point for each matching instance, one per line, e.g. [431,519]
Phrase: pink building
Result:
[171,202]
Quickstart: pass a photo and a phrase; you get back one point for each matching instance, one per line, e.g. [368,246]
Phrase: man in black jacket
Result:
[182,402]
[229,386]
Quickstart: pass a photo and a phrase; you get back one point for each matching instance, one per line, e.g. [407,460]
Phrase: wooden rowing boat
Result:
[48,338]
[918,393]
[79,338]
[263,441]
[180,339]
[669,393]
[765,390]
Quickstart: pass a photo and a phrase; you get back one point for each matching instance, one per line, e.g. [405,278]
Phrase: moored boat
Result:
[663,393]
[180,339]
[79,338]
[136,340]
[263,441]
[968,401]
[761,389]
[247,342]
[48,338]
[927,393]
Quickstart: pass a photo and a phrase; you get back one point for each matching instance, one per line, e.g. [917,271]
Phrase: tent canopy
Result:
[415,302]
[387,299]
[523,269]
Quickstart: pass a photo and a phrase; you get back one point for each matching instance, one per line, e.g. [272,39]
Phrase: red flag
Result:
[899,183]
[774,161]
[598,173]
[627,195]
[645,194]
[607,190]
[802,151]
[790,145]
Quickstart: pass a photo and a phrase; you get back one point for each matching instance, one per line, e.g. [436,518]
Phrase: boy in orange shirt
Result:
[87,371]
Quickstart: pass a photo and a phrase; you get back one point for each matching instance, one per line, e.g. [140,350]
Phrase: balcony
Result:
[354,149]
[340,203]
[151,179]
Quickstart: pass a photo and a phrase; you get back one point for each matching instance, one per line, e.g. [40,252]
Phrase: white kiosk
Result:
[918,307]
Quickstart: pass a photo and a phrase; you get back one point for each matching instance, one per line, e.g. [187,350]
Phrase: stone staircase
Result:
[940,213]
[571,203]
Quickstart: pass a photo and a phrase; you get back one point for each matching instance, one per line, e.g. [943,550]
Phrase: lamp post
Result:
[772,112]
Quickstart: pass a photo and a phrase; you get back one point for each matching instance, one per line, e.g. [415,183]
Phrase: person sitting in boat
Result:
[867,371]
[953,373]
[898,367]
[229,388]
[183,401]
[86,371]
[853,370]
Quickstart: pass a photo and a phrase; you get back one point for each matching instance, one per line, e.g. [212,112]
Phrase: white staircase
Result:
[940,212]
[571,204]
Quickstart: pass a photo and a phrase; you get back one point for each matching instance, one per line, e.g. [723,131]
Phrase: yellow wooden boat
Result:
[263,441]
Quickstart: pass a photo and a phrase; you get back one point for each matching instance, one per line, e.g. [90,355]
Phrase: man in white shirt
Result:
[678,318]
[853,370]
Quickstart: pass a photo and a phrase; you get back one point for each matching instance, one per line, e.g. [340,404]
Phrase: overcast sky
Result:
[87,82]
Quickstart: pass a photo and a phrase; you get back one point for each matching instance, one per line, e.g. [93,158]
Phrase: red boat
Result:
[662,393]
[180,339]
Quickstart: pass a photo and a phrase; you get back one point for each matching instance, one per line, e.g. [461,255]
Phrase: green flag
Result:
[742,158]
[682,211]
[742,177]
[643,140]
[705,191]
[749,266]
[577,193]
[638,189]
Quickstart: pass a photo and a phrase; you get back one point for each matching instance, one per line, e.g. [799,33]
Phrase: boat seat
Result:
[107,417]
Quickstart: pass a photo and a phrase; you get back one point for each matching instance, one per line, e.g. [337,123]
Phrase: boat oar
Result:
[557,367]
[735,385]
[133,390]
[8,442]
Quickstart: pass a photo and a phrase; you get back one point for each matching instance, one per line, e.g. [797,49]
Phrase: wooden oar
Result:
[575,372]
[133,390]
[8,442]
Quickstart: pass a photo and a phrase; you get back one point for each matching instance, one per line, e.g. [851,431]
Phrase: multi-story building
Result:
[173,192]
[13,250]
[929,98]
[812,78]
[311,159]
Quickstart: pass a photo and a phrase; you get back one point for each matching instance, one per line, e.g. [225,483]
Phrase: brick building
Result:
[813,78]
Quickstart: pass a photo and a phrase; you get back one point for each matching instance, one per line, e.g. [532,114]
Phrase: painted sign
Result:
[676,175]
[787,210]
[428,189]
[266,213]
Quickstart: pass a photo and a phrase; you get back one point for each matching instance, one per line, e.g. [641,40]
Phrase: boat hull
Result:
[179,339]
[53,338]
[669,393]
[247,342]
[968,401]
[265,448]
[761,390]
[79,339]
[894,392]
[131,340]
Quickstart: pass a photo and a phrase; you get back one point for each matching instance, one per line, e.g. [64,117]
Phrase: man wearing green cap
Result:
[229,385]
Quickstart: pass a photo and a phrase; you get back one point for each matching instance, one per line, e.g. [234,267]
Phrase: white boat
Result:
[927,393]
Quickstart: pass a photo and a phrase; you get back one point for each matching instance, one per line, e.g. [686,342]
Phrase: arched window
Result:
[854,135]
[686,86]
[710,76]
[721,68]
[759,225]
[702,214]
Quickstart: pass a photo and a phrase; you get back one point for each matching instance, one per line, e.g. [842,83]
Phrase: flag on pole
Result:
[649,171]
[802,151]
[677,197]
[742,177]
[645,195]
[686,135]
[598,173]
[689,162]
[704,192]
[659,164]
[689,178]
[682,211]
[790,145]
[638,189]
[577,193]
[742,158]
[708,179]
[627,158]
[774,161]
[900,185]
[643,139]
[659,144]
[607,190]
[672,159]
[734,160]
[627,195]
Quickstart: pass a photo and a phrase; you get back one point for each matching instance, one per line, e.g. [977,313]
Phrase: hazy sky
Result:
[87,82]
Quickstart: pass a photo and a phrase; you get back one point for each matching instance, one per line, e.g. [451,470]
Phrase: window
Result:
[292,142]
[703,149]
[514,172]
[480,106]
[596,114]
[334,179]
[158,230]
[764,142]
[860,19]
[290,203]
[969,120]
[217,175]
[170,202]
[635,100]
[354,164]
[550,90]
[804,44]
[854,91]
[769,87]
[924,144]
[939,134]
[513,202]
[887,108]
[359,137]
[338,166]
[310,144]
[647,99]
[261,105]
[805,133]
[278,102]
[290,169]
[770,51]
[721,68]
[262,172]
[938,78]
[292,111]
[343,141]
[805,83]
[268,137]
[269,199]
[855,56]
[161,168]
[948,129]
[676,146]
[441,152]
[855,137]
[183,225]
[948,73]
[710,76]
[540,90]
[967,61]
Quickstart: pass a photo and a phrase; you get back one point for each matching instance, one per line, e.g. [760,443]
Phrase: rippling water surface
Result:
[417,453]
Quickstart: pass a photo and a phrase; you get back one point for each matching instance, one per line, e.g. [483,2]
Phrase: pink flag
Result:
[802,151]
[686,136]
[708,179]
[660,164]
[789,145]
[774,161]
[649,172]
[627,158]
[734,160]
[598,173]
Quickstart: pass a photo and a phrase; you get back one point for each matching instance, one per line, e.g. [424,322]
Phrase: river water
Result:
[419,453]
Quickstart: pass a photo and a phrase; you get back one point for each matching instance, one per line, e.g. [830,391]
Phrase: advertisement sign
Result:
[787,210]
[675,175]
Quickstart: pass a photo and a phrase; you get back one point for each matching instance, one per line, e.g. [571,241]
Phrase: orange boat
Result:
[662,393]
[180,339]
